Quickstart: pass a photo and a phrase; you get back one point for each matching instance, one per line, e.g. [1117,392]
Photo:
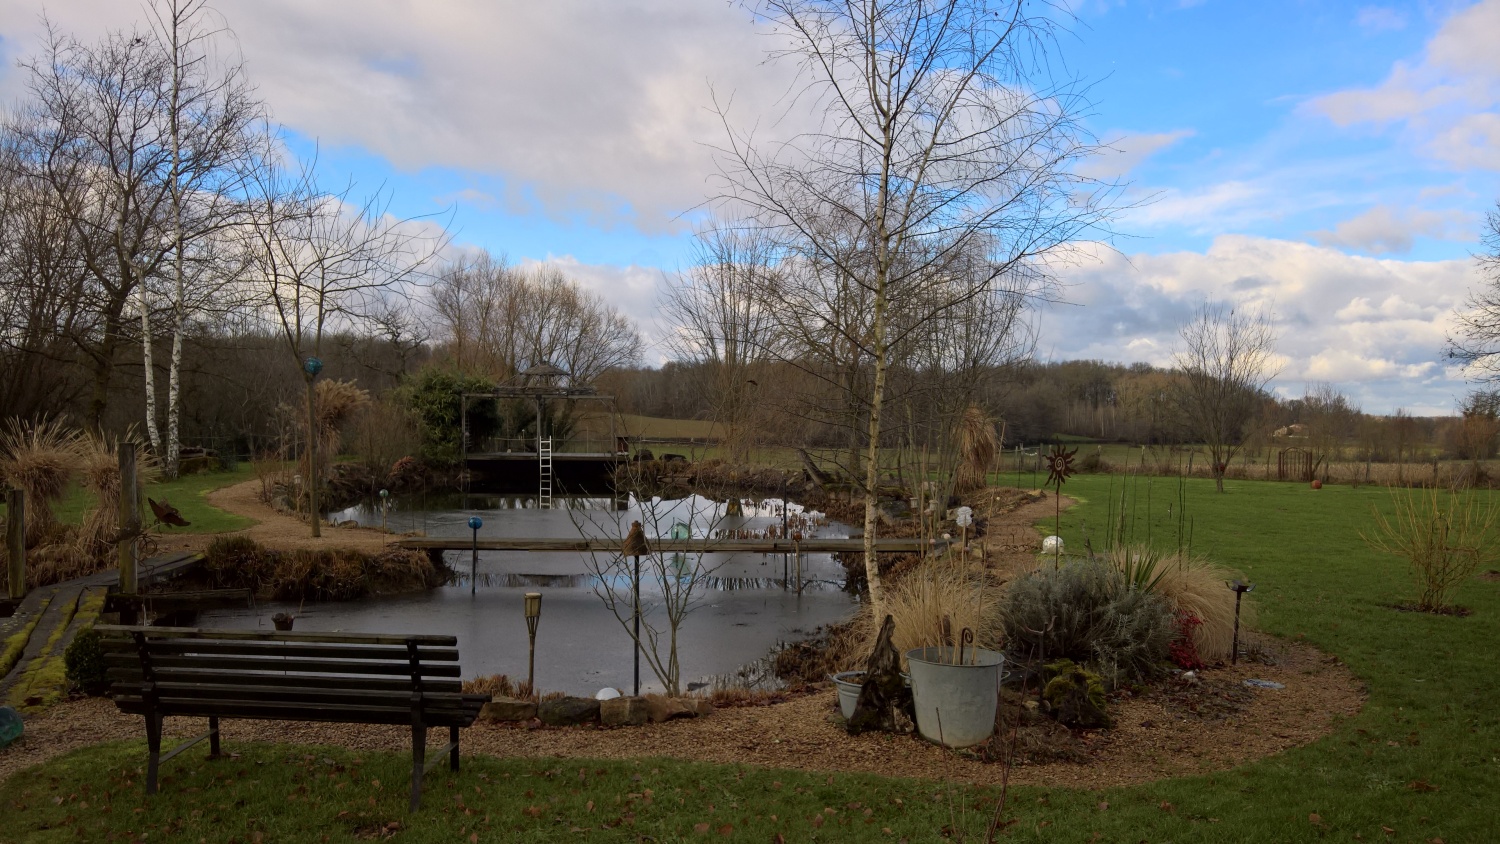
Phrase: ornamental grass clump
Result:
[40,460]
[1087,611]
[1192,586]
[1444,534]
[942,590]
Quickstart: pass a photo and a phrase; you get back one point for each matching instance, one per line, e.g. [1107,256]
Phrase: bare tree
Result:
[942,137]
[1330,421]
[1224,367]
[1477,342]
[318,264]
[725,319]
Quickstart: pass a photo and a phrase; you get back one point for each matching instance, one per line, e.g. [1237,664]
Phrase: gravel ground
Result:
[1151,740]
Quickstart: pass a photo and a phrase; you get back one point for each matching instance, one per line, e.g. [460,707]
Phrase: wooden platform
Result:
[686,546]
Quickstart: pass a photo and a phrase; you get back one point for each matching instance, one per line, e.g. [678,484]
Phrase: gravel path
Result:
[1151,740]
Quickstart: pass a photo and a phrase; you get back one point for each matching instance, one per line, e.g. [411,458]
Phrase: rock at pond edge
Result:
[568,711]
[508,709]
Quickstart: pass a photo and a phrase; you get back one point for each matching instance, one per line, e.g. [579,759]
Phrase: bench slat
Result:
[132,674]
[310,650]
[115,630]
[271,691]
[161,664]
[273,711]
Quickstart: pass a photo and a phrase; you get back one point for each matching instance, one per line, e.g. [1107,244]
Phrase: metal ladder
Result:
[544,495]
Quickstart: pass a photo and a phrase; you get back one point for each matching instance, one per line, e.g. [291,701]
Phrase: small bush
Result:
[1075,696]
[946,588]
[1445,535]
[1190,585]
[316,575]
[83,662]
[1087,612]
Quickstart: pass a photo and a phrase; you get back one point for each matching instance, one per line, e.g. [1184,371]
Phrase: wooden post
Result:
[15,542]
[130,520]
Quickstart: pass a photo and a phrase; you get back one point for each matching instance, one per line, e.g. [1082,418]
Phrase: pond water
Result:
[743,608]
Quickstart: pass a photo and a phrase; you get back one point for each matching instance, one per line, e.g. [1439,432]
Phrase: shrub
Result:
[923,597]
[1087,612]
[317,575]
[1189,584]
[84,663]
[1075,696]
[1445,535]
[1184,649]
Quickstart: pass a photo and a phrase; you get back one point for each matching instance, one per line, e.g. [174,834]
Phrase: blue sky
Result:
[1329,162]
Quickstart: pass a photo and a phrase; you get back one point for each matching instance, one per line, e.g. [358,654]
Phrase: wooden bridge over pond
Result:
[812,545]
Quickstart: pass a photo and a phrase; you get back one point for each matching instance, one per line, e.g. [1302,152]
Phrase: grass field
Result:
[1420,763]
[186,493]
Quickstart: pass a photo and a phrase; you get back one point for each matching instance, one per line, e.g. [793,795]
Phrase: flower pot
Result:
[283,621]
[849,683]
[955,704]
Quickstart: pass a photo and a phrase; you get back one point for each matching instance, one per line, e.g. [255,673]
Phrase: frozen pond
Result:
[743,609]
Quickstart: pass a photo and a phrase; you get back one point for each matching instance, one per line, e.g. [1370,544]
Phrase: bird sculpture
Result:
[167,514]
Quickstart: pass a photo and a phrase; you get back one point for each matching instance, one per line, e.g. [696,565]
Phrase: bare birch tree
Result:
[943,135]
[1225,364]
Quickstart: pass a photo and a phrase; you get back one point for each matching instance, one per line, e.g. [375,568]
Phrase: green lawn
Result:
[186,493]
[1422,760]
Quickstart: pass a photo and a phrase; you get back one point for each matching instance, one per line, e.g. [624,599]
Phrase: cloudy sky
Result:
[1329,162]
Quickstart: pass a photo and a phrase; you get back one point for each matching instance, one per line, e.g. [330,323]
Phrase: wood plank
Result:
[685,546]
[300,712]
[110,630]
[295,650]
[160,665]
[229,688]
[133,674]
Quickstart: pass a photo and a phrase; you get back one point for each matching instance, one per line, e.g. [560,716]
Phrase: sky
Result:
[1328,163]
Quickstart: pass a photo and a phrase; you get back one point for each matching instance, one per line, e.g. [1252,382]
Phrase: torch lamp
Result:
[312,366]
[385,506]
[533,615]
[475,523]
[1239,592]
[635,546]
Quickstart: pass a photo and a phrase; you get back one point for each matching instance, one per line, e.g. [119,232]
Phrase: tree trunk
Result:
[872,456]
[148,369]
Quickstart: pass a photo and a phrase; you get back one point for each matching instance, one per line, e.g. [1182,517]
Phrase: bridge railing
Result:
[527,445]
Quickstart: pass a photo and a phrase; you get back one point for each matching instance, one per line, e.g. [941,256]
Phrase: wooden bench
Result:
[353,678]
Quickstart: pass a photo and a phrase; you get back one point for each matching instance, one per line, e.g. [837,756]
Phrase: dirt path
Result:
[273,528]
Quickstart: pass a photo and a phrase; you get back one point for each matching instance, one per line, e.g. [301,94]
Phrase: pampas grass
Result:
[40,460]
[99,463]
[1195,585]
[946,587]
[977,446]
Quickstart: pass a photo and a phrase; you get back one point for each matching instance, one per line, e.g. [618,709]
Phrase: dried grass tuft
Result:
[948,587]
[1195,585]
[99,472]
[977,446]
[40,460]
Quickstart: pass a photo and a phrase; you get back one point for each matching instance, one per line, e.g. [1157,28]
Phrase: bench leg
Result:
[153,743]
[453,754]
[418,762]
[213,738]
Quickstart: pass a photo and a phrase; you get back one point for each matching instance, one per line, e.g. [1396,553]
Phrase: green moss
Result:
[1075,696]
[15,645]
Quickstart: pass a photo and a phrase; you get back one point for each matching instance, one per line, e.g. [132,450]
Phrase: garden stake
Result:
[635,546]
[1239,592]
[475,523]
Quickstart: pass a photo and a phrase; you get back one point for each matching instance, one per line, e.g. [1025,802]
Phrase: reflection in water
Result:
[748,603]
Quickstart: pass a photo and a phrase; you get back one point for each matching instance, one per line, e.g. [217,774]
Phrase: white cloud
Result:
[1384,229]
[598,111]
[1374,327]
[1445,98]
[1379,19]
[1126,152]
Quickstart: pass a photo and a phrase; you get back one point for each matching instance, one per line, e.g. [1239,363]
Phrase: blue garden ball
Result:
[475,523]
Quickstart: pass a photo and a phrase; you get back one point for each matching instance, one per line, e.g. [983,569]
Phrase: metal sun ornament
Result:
[1059,469]
[1060,465]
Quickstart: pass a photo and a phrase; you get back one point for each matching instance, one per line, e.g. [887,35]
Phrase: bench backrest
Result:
[358,677]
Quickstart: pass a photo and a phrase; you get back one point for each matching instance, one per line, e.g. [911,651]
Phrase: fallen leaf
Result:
[1387,830]
[726,830]
[1103,806]
[534,811]
[700,828]
[589,806]
[817,821]
[1421,785]
[1166,807]
[1315,818]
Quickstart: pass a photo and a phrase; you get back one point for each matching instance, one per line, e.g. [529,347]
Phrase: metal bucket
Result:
[955,704]
[849,683]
